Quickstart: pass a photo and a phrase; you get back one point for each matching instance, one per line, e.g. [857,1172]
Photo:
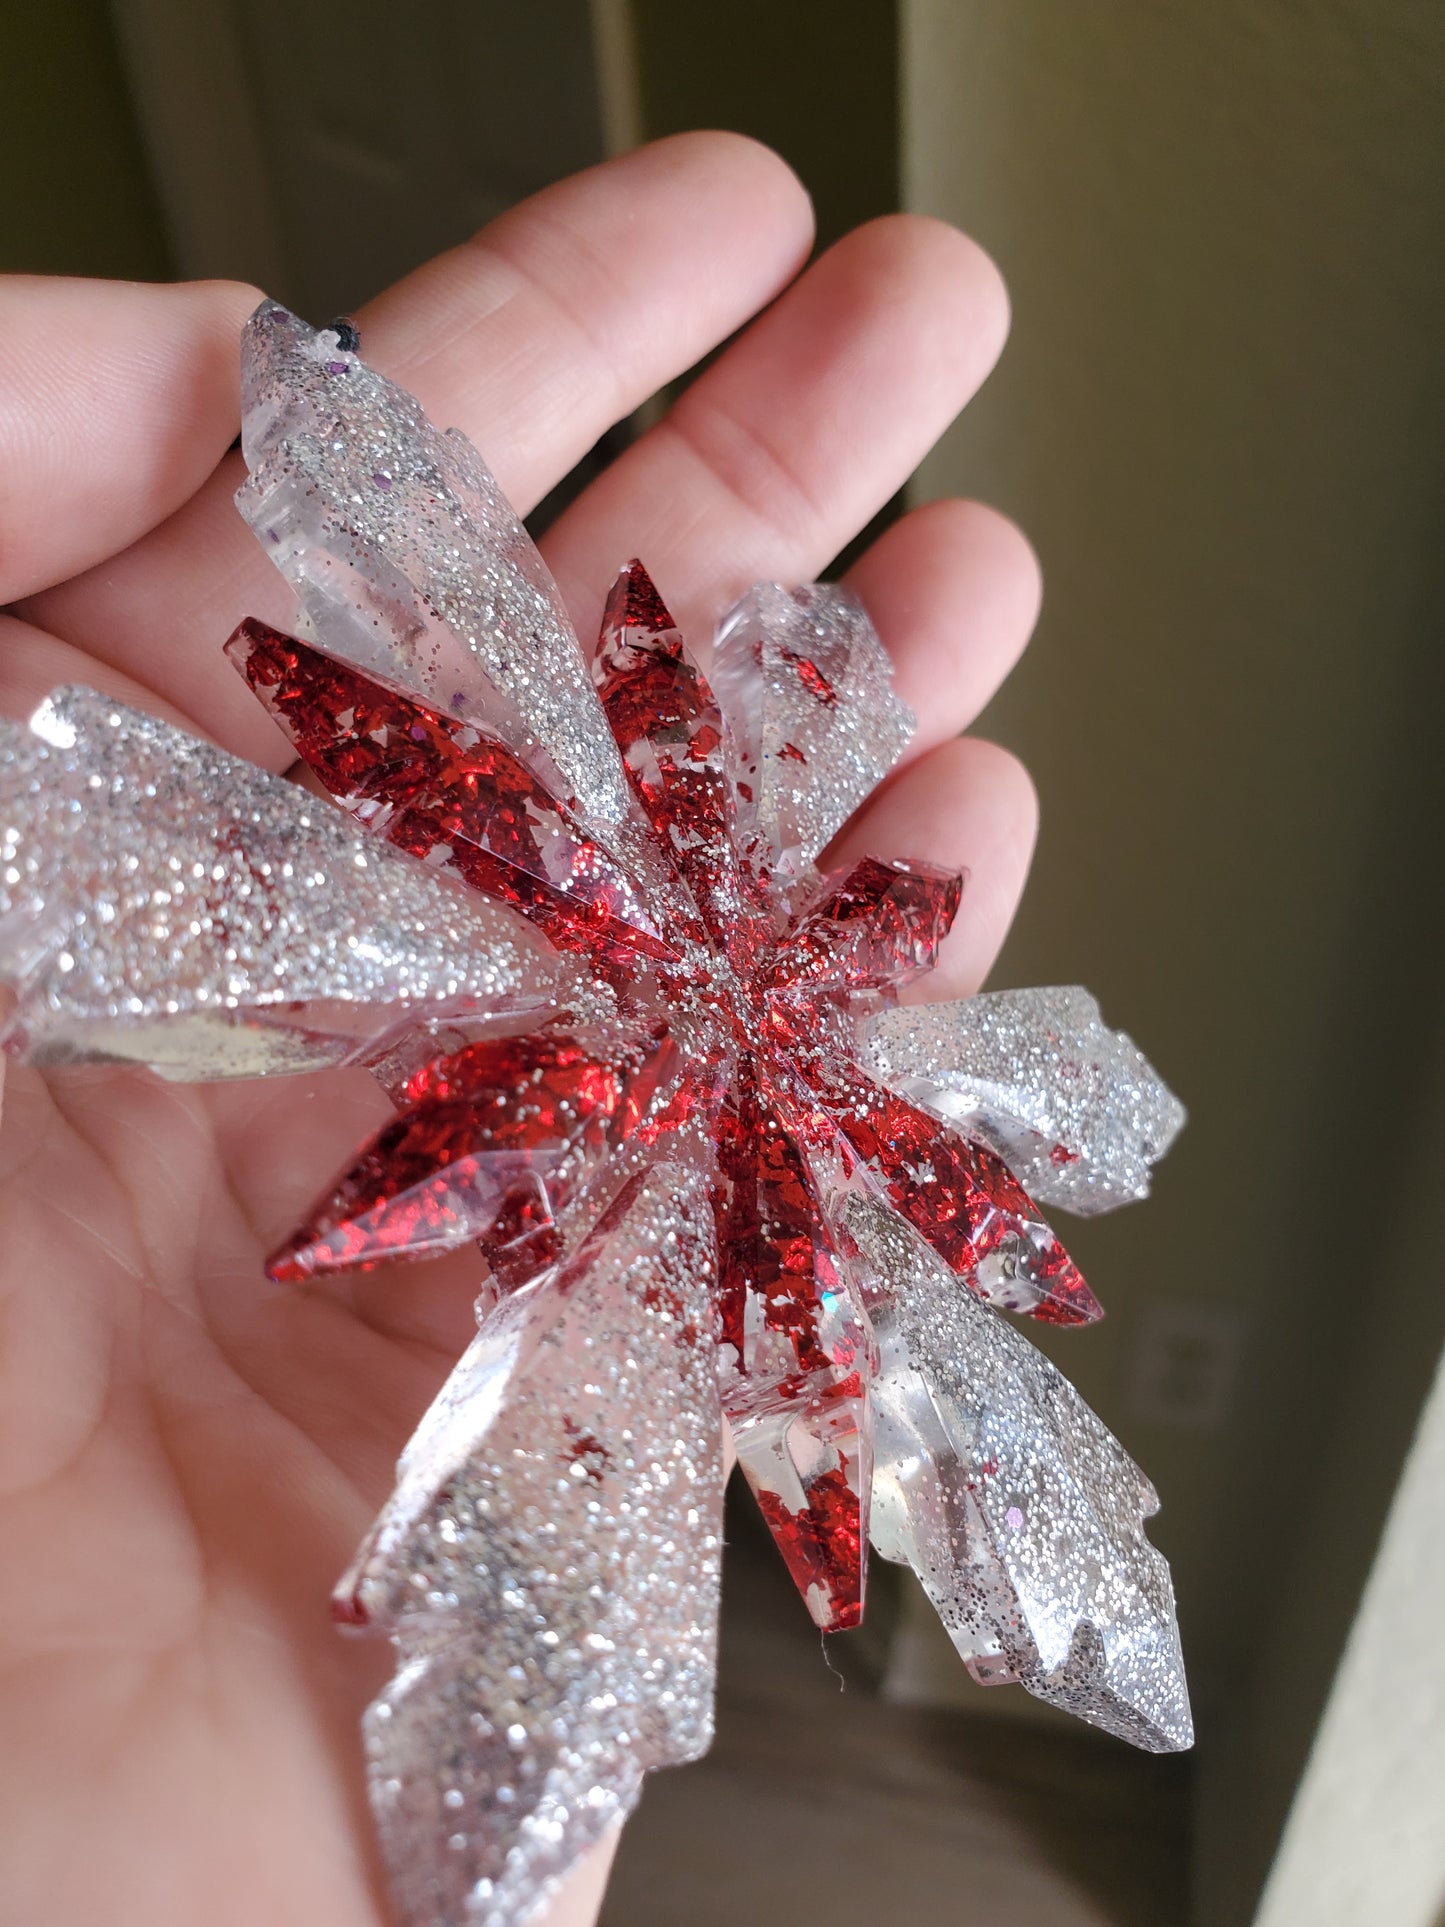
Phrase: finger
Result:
[967,805]
[576,305]
[800,432]
[33,663]
[578,1899]
[116,402]
[953,590]
[533,338]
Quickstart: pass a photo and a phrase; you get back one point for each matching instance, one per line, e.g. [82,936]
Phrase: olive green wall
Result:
[1221,420]
[815,79]
[77,196]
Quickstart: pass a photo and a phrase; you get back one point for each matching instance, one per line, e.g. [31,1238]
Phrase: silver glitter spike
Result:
[1020,1512]
[408,561]
[806,688]
[548,1567]
[1074,1109]
[163,902]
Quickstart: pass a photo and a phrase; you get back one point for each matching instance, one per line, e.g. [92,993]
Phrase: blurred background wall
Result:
[1220,420]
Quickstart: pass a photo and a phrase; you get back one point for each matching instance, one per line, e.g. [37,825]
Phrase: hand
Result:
[188,1454]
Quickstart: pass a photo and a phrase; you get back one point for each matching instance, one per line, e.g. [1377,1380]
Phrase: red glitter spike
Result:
[635,611]
[496,1140]
[798,1401]
[431,785]
[823,1544]
[779,1266]
[962,1198]
[667,724]
[874,926]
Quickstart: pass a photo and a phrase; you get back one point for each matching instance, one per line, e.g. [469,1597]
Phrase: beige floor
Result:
[833,1808]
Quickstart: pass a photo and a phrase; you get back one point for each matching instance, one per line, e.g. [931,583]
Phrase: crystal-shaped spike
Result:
[795,1388]
[548,1568]
[875,926]
[1022,1515]
[1075,1109]
[964,1200]
[163,902]
[785,1312]
[441,789]
[812,722]
[408,561]
[492,1144]
[810,1468]
[668,727]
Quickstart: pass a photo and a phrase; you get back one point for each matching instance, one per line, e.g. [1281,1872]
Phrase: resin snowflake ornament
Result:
[652,1067]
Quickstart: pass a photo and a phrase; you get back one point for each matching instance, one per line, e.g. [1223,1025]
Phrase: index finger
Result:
[116,402]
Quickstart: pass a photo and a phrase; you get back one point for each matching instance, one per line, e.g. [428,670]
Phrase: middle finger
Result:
[789,444]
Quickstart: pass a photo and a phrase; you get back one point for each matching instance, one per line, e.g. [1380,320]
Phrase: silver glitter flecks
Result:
[548,1564]
[1020,1512]
[1073,1108]
[408,561]
[163,902]
[806,689]
[548,1567]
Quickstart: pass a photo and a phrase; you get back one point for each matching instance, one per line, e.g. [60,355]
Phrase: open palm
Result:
[188,1454]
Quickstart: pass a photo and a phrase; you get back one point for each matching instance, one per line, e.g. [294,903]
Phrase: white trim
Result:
[1364,1845]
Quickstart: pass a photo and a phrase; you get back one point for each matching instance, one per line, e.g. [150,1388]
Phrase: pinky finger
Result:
[966,805]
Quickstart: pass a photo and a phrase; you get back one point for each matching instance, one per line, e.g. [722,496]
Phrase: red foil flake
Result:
[813,679]
[802,1349]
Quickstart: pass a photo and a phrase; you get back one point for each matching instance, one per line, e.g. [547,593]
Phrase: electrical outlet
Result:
[1182,1363]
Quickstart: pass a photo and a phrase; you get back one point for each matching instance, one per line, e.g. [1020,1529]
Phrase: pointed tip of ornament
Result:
[322,1250]
[291,1264]
[633,603]
[843,1619]
[348,1610]
[318,1251]
[250,640]
[1069,1300]
[824,1543]
[269,315]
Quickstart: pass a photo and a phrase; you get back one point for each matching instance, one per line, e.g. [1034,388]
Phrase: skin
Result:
[188,1455]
